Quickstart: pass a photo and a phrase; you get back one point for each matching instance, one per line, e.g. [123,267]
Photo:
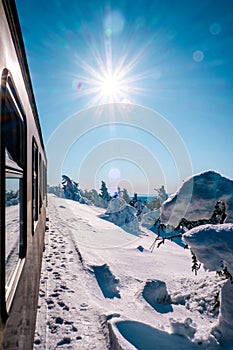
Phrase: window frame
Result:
[10,168]
[35,184]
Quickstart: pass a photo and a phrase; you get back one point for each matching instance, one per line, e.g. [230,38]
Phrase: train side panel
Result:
[22,189]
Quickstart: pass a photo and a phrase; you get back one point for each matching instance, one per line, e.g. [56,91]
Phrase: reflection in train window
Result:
[12,228]
[35,181]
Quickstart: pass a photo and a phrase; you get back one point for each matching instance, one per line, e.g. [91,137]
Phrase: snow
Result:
[123,215]
[213,246]
[98,290]
[150,217]
[196,198]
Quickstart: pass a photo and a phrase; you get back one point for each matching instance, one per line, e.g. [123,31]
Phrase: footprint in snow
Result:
[59,320]
[63,286]
[65,340]
[54,295]
[37,341]
[68,323]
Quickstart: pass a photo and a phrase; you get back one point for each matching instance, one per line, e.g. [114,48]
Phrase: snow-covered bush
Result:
[122,214]
[197,197]
[213,246]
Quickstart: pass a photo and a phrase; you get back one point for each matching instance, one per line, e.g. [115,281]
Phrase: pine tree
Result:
[104,192]
[70,187]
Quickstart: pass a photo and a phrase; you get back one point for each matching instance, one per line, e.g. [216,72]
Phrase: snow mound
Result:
[122,214]
[116,205]
[197,197]
[150,218]
[213,246]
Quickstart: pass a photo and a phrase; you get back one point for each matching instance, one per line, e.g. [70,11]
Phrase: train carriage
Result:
[22,189]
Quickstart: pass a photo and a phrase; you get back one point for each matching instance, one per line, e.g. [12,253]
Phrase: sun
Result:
[111,86]
[106,78]
[105,82]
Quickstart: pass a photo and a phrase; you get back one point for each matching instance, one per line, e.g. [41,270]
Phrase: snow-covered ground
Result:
[102,288]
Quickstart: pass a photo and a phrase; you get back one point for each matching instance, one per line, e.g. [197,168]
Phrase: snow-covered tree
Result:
[104,192]
[122,214]
[153,204]
[125,195]
[97,200]
[162,195]
[156,202]
[70,187]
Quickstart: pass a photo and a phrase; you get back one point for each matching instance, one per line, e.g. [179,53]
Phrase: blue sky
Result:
[171,57]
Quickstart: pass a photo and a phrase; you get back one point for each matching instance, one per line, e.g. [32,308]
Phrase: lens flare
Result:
[109,77]
[114,174]
[80,86]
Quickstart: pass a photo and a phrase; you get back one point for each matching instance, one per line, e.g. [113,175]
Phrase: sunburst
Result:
[106,82]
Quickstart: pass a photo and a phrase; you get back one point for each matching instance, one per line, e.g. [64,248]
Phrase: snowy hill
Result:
[103,288]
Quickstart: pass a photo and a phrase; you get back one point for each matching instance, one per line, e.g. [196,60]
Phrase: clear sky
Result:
[169,65]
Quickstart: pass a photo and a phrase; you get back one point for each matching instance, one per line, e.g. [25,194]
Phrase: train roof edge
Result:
[17,38]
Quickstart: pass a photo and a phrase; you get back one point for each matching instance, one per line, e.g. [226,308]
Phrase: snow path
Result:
[66,318]
[73,307]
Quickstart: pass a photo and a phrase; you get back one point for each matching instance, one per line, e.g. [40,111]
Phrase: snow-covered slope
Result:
[103,288]
[197,197]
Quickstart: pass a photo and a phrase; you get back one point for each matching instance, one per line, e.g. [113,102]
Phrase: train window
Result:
[35,181]
[45,181]
[13,235]
[41,183]
[13,239]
